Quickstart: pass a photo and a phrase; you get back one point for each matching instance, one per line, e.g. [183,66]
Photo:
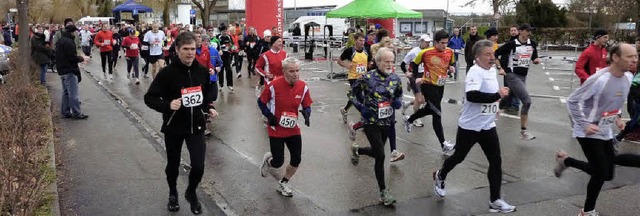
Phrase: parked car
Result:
[4,61]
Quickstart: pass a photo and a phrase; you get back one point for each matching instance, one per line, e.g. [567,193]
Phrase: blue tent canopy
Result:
[133,7]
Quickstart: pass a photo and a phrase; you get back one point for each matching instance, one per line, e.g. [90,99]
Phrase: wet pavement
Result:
[327,183]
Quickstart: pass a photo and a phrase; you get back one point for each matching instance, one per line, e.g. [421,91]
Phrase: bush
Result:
[25,133]
[569,36]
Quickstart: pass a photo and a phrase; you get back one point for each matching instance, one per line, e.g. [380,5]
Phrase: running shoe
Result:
[501,206]
[407,124]
[145,76]
[355,157]
[408,85]
[264,169]
[137,81]
[128,75]
[405,106]
[396,156]
[560,167]
[589,213]
[111,76]
[284,189]
[438,186]
[173,205]
[616,145]
[525,135]
[344,115]
[207,132]
[239,75]
[105,76]
[448,148]
[386,198]
[192,198]
[352,131]
[230,88]
[418,123]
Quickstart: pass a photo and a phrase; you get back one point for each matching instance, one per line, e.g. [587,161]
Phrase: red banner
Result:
[265,14]
[388,24]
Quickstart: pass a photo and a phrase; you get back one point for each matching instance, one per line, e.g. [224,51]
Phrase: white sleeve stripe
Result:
[272,102]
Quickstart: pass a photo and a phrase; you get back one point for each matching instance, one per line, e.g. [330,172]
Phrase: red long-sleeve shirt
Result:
[270,62]
[104,40]
[592,59]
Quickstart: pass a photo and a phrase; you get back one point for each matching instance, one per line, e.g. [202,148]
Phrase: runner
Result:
[510,104]
[155,38]
[355,59]
[376,94]
[477,125]
[594,57]
[425,41]
[594,108]
[104,40]
[251,47]
[183,117]
[207,55]
[513,32]
[264,45]
[279,103]
[269,64]
[515,58]
[473,38]
[437,62]
[131,44]
[225,49]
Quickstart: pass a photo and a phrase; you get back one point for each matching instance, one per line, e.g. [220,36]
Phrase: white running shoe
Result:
[524,135]
[230,88]
[501,206]
[264,169]
[352,132]
[438,186]
[137,81]
[418,123]
[560,167]
[111,76]
[355,157]
[344,112]
[105,76]
[448,148]
[396,156]
[407,124]
[405,106]
[284,189]
[589,213]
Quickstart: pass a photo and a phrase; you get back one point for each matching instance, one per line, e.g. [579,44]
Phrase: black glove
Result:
[306,117]
[273,121]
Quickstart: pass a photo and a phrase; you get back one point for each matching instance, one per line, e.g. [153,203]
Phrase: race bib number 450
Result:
[608,118]
[384,110]
[288,120]
[192,96]
[489,108]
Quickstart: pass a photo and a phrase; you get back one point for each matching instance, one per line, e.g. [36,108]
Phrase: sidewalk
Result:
[106,165]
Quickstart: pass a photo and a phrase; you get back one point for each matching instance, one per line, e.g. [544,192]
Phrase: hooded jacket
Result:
[39,51]
[168,86]
[67,58]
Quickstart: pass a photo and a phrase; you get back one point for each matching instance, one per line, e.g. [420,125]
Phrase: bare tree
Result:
[23,20]
[206,8]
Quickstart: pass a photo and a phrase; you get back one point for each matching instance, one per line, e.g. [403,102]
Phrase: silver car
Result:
[4,61]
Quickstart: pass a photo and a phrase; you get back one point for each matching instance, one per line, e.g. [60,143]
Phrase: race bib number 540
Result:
[192,96]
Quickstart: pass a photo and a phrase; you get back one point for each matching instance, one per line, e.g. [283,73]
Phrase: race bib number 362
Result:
[384,110]
[288,120]
[192,96]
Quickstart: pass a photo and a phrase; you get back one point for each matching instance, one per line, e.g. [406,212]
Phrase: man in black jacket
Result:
[468,54]
[67,60]
[181,93]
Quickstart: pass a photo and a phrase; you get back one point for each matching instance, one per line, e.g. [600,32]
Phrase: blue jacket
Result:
[7,37]
[216,61]
[372,89]
[456,42]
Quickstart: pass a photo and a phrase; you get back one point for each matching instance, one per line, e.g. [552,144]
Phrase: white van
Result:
[95,20]
[339,25]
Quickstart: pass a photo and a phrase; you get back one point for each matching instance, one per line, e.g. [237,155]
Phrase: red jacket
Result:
[592,59]
[204,58]
[100,39]
[271,63]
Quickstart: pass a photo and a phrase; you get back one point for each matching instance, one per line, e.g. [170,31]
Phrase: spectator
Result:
[67,60]
[40,52]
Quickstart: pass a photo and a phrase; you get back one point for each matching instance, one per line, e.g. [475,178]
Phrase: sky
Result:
[455,6]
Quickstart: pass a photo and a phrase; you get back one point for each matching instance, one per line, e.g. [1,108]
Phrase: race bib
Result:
[107,42]
[252,44]
[489,108]
[384,110]
[442,79]
[225,48]
[608,118]
[133,46]
[524,60]
[361,69]
[192,96]
[288,119]
[156,44]
[144,47]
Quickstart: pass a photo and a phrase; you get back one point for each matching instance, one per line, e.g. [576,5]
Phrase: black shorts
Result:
[412,84]
[154,58]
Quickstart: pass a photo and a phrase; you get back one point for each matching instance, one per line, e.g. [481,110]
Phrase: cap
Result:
[132,31]
[425,37]
[599,33]
[525,27]
[267,33]
[491,32]
[378,26]
[70,28]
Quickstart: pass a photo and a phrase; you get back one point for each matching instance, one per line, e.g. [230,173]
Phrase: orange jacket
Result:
[104,40]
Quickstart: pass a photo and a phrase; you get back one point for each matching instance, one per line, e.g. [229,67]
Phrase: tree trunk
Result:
[204,15]
[638,22]
[165,13]
[23,40]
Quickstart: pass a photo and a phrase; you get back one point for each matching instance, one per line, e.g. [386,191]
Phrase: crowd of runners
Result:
[190,66]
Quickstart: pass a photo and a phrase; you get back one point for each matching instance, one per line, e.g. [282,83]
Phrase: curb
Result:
[53,187]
